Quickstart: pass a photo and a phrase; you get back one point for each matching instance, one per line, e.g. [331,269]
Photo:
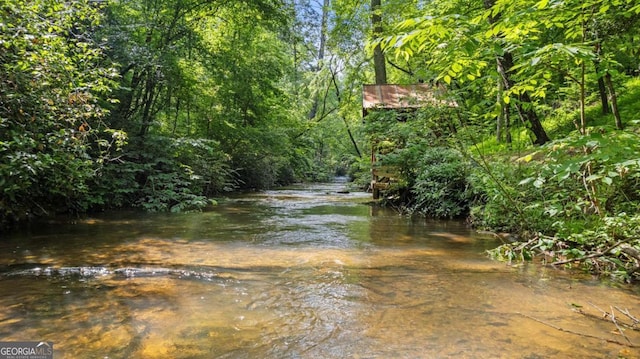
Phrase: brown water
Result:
[303,272]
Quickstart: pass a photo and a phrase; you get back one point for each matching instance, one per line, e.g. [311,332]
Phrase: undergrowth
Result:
[573,202]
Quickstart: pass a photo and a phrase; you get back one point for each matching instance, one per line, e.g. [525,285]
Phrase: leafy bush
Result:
[500,204]
[52,79]
[578,198]
[583,177]
[360,172]
[170,191]
[205,165]
[160,173]
[441,188]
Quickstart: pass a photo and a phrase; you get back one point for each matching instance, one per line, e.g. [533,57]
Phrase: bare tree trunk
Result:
[583,115]
[321,49]
[614,101]
[602,90]
[379,62]
[379,66]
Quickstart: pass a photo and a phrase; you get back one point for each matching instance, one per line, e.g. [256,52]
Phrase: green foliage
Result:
[597,174]
[554,61]
[205,165]
[578,179]
[398,143]
[52,80]
[441,189]
[207,101]
[578,198]
[428,177]
[165,175]
[500,204]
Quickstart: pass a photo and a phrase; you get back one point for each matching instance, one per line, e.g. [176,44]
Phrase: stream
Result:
[306,271]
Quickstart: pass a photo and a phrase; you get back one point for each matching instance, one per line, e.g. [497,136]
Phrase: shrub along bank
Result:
[572,202]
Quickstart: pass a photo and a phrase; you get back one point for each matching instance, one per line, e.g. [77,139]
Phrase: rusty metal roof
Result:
[400,96]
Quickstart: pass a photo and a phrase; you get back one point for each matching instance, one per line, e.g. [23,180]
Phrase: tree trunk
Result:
[122,114]
[503,125]
[602,90]
[148,97]
[177,117]
[603,96]
[614,101]
[583,115]
[507,126]
[500,116]
[526,113]
[321,49]
[379,62]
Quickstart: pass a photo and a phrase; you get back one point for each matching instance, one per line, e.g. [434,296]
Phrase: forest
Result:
[166,105]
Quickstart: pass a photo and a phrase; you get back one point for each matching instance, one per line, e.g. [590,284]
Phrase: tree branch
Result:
[408,72]
[593,255]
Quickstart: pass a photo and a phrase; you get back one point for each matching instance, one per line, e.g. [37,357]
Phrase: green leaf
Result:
[488,33]
[542,4]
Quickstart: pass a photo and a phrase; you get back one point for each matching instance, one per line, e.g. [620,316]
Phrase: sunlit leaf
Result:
[542,4]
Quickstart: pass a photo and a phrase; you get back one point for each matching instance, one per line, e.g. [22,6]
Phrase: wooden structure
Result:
[401,98]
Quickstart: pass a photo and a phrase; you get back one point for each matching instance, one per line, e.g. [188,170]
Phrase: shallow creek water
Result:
[302,272]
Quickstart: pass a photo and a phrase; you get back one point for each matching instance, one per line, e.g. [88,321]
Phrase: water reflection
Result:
[296,273]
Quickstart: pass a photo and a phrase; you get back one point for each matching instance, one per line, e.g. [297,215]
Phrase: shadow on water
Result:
[302,272]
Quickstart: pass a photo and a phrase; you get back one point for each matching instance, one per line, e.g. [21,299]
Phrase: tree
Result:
[379,62]
[505,65]
[53,80]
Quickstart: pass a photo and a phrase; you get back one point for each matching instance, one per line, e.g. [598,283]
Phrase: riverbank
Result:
[572,202]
